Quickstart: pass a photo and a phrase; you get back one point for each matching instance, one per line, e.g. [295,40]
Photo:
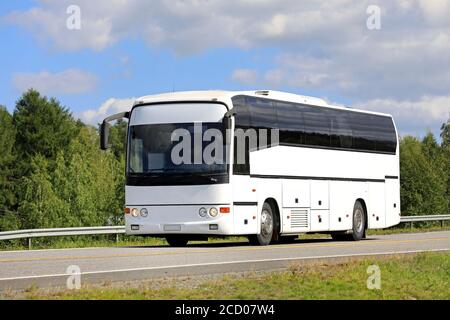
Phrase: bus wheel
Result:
[267,226]
[177,241]
[359,222]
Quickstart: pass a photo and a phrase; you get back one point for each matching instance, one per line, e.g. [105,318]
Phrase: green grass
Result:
[110,241]
[420,276]
[407,229]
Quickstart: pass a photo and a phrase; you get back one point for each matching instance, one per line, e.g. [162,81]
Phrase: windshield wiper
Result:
[162,170]
[157,172]
[210,176]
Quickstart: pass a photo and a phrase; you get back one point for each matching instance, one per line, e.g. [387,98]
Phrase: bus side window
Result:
[242,121]
[290,123]
[317,126]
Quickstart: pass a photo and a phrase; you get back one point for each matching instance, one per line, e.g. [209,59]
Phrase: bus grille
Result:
[299,219]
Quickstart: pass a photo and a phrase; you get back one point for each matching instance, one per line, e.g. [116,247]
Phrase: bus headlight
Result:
[144,212]
[134,212]
[213,212]
[202,212]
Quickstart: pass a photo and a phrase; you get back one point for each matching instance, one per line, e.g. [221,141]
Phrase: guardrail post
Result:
[117,238]
[29,244]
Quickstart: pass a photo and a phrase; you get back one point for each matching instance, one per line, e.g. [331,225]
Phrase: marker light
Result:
[144,212]
[127,210]
[213,212]
[202,212]
[224,209]
[134,212]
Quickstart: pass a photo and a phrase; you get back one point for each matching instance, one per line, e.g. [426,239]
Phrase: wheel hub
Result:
[266,223]
[359,220]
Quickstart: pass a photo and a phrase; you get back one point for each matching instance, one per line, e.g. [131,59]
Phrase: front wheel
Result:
[267,226]
[359,222]
[177,241]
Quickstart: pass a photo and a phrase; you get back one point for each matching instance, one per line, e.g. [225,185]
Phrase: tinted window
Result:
[317,126]
[341,135]
[262,113]
[290,123]
[242,121]
[386,140]
[373,132]
[364,136]
[242,117]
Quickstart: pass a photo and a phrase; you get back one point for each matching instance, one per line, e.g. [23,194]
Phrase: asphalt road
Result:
[21,269]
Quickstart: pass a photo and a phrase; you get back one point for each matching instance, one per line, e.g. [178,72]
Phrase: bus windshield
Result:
[158,151]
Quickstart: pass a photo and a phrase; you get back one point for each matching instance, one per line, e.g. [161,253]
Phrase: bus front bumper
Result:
[162,220]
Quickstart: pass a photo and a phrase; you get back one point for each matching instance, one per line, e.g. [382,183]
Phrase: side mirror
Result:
[104,128]
[104,135]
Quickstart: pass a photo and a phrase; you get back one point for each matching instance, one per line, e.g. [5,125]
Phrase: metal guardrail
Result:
[117,230]
[436,217]
[58,232]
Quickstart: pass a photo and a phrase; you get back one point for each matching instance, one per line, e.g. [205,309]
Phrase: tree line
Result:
[53,174]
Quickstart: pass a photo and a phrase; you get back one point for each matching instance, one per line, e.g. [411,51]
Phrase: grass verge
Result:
[418,276]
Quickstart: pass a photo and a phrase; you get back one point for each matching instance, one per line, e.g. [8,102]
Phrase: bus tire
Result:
[267,227]
[359,222]
[177,241]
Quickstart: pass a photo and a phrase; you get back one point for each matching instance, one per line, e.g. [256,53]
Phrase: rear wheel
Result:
[359,222]
[358,228]
[177,241]
[267,227]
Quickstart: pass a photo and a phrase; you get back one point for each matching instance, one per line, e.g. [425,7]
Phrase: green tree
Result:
[445,145]
[117,139]
[40,206]
[8,218]
[422,184]
[45,127]
[89,181]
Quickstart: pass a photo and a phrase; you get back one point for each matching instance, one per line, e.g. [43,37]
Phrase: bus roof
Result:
[225,96]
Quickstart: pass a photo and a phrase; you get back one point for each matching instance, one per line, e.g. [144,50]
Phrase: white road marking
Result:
[225,262]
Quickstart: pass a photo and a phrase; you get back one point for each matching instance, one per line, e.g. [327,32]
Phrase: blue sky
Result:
[125,50]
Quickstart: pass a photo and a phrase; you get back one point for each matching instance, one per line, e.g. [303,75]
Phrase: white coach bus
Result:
[327,169]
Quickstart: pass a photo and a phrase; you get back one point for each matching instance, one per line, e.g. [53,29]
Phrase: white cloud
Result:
[435,11]
[107,108]
[326,46]
[70,81]
[299,71]
[245,76]
[426,113]
[187,26]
